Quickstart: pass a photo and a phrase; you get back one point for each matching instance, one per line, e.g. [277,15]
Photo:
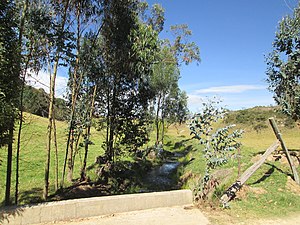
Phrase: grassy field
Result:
[33,156]
[269,192]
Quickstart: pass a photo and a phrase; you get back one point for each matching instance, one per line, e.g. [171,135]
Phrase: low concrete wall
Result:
[88,207]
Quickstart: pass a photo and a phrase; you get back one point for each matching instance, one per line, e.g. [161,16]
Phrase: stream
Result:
[163,177]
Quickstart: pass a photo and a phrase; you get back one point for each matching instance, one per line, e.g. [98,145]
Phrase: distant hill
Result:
[36,101]
[257,117]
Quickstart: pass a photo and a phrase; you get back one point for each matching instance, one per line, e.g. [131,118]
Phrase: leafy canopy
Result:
[283,63]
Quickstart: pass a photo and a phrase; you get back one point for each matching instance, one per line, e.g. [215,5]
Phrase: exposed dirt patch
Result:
[81,190]
[245,190]
[292,186]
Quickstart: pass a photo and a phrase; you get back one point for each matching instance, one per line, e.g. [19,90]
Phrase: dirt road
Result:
[172,216]
[160,216]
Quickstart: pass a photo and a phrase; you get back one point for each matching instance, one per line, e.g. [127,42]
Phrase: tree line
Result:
[119,70]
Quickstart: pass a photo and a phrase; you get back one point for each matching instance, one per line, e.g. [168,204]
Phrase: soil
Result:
[218,216]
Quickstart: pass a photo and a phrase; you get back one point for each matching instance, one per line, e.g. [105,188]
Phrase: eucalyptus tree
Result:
[129,47]
[283,72]
[33,28]
[9,83]
[87,16]
[164,81]
[167,74]
[60,54]
[218,143]
[91,68]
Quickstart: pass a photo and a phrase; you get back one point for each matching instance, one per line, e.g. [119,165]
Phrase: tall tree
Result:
[63,46]
[128,52]
[86,14]
[9,83]
[283,72]
[165,80]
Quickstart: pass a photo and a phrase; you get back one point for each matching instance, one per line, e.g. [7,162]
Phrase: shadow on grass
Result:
[265,176]
[31,196]
[270,172]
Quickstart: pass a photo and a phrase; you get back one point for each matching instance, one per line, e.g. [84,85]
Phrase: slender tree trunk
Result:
[75,90]
[56,152]
[9,162]
[19,142]
[163,130]
[22,21]
[107,125]
[70,157]
[88,132]
[157,119]
[112,125]
[163,119]
[49,129]
[76,149]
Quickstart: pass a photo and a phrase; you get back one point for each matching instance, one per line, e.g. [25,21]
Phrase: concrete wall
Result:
[88,207]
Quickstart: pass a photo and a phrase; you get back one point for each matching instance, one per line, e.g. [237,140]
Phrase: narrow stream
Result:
[161,178]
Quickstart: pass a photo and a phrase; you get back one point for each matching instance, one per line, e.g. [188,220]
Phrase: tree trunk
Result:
[22,21]
[163,120]
[157,119]
[56,152]
[88,131]
[9,162]
[107,126]
[76,149]
[19,142]
[112,126]
[75,90]
[49,130]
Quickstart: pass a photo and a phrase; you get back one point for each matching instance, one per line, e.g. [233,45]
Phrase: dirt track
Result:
[170,216]
[160,216]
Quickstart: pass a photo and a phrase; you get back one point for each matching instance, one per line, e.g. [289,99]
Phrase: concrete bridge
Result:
[167,207]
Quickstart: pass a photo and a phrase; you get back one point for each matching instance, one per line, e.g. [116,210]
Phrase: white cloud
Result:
[233,97]
[230,89]
[42,80]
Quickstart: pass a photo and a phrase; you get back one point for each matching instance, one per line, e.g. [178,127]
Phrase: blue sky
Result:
[233,36]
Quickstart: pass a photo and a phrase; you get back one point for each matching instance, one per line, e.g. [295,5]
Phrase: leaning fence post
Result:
[290,160]
[231,191]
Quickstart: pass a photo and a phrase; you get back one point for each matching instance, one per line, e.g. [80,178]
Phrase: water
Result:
[160,178]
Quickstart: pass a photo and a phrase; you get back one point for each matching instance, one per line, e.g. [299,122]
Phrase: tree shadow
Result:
[31,196]
[8,213]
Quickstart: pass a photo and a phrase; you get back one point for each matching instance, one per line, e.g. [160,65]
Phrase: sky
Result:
[234,36]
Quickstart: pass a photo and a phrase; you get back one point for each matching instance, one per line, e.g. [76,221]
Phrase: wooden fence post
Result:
[290,160]
[230,193]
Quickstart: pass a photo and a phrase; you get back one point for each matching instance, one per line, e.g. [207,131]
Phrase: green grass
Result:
[33,156]
[274,200]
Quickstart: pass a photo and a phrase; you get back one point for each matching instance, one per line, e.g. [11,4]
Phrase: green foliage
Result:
[284,65]
[257,117]
[9,69]
[218,144]
[36,101]
[120,62]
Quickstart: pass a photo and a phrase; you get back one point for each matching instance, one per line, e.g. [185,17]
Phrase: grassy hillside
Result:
[270,192]
[33,156]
